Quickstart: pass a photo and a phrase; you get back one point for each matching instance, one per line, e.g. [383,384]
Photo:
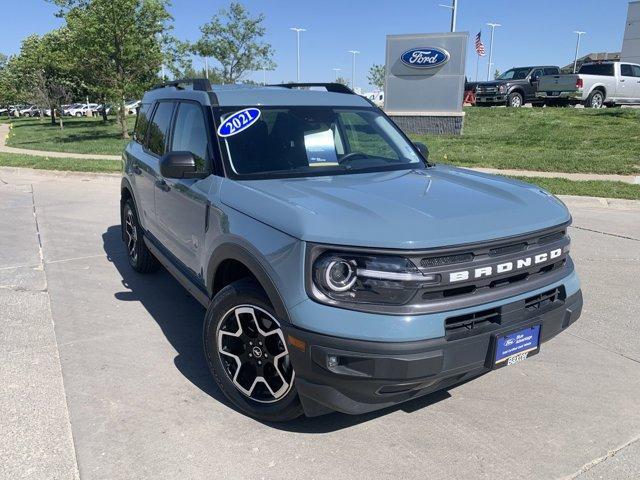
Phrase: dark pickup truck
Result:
[515,87]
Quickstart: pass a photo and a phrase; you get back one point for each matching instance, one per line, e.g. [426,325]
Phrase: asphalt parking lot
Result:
[102,374]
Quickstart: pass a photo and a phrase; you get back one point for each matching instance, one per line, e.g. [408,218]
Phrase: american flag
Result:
[479,45]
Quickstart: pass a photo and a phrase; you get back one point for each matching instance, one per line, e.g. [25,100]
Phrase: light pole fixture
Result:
[575,57]
[298,30]
[454,13]
[353,68]
[493,27]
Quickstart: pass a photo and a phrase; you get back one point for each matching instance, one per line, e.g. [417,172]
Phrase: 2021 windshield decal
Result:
[238,122]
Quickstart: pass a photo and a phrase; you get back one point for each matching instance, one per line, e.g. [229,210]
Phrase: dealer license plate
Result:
[517,346]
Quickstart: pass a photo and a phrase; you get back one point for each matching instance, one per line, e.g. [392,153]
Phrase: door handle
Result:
[162,185]
[622,80]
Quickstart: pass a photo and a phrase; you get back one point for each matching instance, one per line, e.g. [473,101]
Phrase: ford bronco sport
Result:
[340,269]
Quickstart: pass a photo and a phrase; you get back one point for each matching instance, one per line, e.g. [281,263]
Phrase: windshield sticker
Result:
[238,122]
[321,149]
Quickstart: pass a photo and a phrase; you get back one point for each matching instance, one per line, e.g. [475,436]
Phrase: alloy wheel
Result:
[254,354]
[596,101]
[131,233]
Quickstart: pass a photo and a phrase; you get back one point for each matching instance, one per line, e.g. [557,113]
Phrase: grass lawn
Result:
[544,139]
[69,164]
[588,188]
[80,135]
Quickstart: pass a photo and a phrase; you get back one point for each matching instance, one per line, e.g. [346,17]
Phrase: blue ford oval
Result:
[429,57]
[238,122]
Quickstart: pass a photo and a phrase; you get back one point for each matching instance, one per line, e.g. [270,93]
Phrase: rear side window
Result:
[190,133]
[142,122]
[636,70]
[626,70]
[551,71]
[597,69]
[159,128]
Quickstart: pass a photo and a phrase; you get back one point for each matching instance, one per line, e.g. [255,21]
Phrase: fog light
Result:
[332,361]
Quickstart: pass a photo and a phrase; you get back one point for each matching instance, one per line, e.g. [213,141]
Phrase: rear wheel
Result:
[515,100]
[247,353]
[595,99]
[140,258]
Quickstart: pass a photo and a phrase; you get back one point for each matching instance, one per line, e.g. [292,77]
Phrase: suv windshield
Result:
[515,74]
[304,141]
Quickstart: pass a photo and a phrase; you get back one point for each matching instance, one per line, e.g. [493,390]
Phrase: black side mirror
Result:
[179,165]
[423,149]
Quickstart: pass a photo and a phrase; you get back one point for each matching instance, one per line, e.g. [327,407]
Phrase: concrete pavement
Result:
[103,376]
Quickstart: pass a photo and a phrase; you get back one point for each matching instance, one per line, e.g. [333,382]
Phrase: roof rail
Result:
[331,87]
[201,84]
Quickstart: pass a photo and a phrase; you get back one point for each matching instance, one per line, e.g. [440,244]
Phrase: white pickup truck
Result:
[595,85]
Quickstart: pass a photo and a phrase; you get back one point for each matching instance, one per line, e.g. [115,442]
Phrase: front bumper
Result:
[493,98]
[372,375]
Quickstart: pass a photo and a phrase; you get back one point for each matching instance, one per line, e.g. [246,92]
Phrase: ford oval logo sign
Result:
[238,122]
[429,57]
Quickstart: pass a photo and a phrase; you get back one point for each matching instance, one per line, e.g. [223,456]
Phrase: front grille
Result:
[492,254]
[490,319]
[472,321]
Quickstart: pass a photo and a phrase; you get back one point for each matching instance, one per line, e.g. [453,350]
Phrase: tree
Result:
[496,74]
[234,39]
[376,76]
[342,80]
[42,70]
[119,44]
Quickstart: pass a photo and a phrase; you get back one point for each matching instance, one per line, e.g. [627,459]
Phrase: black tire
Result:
[247,294]
[595,99]
[515,100]
[140,258]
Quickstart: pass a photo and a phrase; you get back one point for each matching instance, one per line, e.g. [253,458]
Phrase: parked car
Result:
[515,87]
[81,109]
[4,111]
[100,108]
[131,106]
[340,269]
[30,111]
[595,85]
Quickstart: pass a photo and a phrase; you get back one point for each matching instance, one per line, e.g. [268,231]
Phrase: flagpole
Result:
[477,64]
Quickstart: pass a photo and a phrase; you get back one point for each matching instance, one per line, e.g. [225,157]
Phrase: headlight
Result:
[371,279]
[502,88]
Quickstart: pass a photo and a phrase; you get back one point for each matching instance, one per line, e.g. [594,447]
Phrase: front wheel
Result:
[247,353]
[515,100]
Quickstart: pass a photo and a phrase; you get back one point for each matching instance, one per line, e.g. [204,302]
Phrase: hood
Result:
[435,207]
[494,83]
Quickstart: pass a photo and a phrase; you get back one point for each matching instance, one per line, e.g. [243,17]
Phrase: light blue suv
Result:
[341,271]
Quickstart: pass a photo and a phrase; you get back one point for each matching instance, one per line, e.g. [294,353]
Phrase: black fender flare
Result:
[516,89]
[126,185]
[250,259]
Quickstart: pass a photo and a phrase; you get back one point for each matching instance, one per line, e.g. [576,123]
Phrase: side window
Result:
[536,74]
[159,128]
[190,133]
[142,122]
[626,70]
[551,71]
[636,70]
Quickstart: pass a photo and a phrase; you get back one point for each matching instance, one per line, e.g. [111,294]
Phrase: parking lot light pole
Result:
[298,30]
[353,69]
[575,58]
[493,27]
[454,13]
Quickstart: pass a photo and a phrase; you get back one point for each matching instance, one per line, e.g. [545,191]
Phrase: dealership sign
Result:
[430,57]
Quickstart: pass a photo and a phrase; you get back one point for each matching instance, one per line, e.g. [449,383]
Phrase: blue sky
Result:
[538,31]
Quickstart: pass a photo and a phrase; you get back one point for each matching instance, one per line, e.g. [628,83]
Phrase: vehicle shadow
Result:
[180,317]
